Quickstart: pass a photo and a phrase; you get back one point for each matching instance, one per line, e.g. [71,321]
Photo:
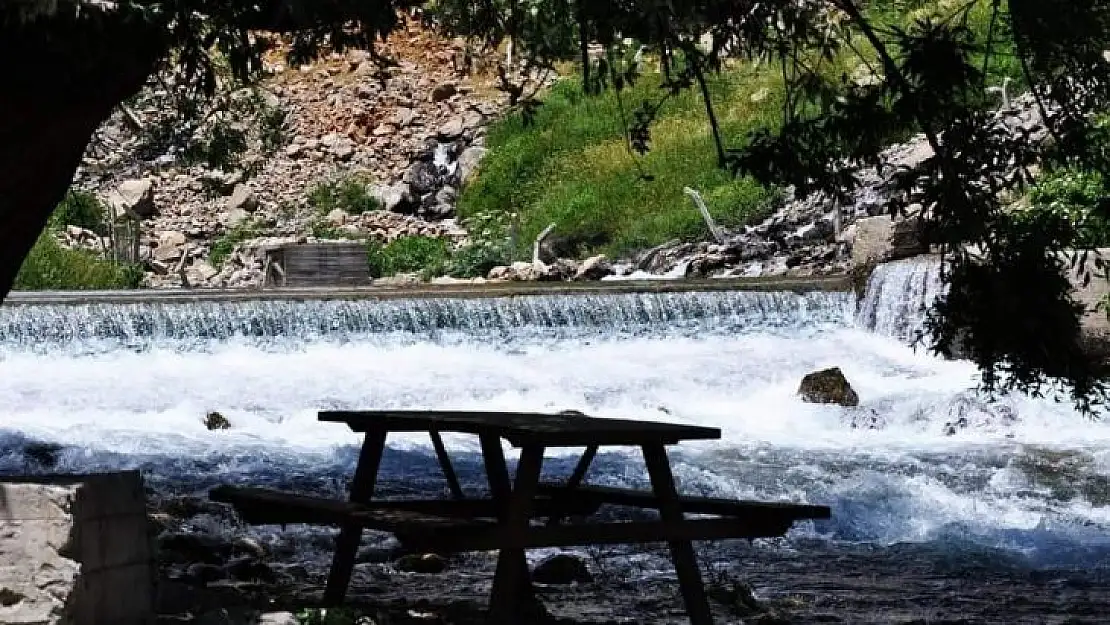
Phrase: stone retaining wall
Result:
[75,550]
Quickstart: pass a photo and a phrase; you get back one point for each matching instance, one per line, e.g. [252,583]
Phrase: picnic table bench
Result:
[506,521]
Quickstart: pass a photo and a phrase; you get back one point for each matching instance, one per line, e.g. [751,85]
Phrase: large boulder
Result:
[828,386]
[134,196]
[396,198]
[75,550]
[468,163]
[881,239]
[594,268]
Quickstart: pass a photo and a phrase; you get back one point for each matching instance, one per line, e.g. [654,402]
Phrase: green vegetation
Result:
[82,209]
[350,195]
[52,266]
[223,246]
[427,256]
[573,167]
[1073,194]
[487,247]
[571,162]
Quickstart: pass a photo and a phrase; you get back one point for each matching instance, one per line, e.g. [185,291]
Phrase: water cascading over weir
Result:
[127,385]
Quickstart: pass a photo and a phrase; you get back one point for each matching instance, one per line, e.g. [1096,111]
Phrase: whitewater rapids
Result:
[128,385]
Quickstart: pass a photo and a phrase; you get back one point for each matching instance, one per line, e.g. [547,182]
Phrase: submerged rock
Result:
[562,569]
[828,386]
[428,563]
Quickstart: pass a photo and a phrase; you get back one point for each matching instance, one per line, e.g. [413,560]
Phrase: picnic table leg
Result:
[682,551]
[512,583]
[362,489]
[575,479]
[445,465]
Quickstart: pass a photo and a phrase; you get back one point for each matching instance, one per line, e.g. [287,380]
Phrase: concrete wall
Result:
[75,550]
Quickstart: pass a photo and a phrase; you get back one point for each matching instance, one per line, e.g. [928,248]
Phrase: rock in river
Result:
[828,386]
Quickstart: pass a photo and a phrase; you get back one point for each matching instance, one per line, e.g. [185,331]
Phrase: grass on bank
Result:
[572,166]
[52,266]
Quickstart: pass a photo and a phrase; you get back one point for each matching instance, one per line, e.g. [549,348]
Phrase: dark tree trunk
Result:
[63,77]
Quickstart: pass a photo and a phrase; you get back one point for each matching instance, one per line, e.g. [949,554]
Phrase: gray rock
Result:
[469,161]
[828,386]
[242,198]
[594,268]
[237,217]
[216,421]
[562,569]
[136,196]
[396,198]
[422,177]
[447,195]
[221,181]
[444,91]
[427,563]
[337,217]
[451,129]
[278,618]
[200,272]
[343,150]
[172,238]
[404,117]
[167,253]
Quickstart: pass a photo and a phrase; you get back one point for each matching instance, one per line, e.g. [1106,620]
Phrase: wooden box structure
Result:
[317,264]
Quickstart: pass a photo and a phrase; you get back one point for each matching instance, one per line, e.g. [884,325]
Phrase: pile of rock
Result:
[414,132]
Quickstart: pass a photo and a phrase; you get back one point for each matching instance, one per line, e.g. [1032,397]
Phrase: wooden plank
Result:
[445,465]
[346,545]
[682,552]
[263,506]
[689,504]
[521,428]
[582,467]
[576,478]
[581,534]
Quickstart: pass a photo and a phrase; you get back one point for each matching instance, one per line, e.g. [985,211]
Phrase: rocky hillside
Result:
[354,147]
[347,147]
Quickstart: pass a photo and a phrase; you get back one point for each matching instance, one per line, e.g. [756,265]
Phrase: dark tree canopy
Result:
[1009,308]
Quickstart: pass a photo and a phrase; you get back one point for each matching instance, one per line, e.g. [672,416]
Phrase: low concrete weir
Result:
[432,291]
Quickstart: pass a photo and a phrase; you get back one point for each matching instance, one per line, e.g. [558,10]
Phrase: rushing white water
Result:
[129,385]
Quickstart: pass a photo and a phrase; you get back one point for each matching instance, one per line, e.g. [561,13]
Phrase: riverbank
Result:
[793,581]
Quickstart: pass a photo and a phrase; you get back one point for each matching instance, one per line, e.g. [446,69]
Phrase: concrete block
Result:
[75,550]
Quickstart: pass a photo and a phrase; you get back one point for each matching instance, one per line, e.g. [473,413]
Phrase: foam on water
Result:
[127,386]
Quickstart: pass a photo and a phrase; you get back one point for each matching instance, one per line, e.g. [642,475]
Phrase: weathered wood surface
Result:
[314,265]
[522,428]
[468,525]
[263,506]
[690,504]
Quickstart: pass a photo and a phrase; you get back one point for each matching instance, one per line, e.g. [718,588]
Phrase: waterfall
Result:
[899,294]
[554,316]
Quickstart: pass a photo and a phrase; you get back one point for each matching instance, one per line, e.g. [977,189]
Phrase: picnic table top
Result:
[525,428]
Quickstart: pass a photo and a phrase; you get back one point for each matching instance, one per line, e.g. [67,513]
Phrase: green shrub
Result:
[350,195]
[51,266]
[235,235]
[475,259]
[82,209]
[221,147]
[1074,194]
[427,256]
[489,245]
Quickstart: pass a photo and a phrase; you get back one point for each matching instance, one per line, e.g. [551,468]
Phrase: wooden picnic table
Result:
[503,522]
